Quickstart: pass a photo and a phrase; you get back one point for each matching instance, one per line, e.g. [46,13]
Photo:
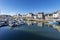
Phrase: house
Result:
[30,15]
[40,15]
[49,16]
[5,17]
[18,16]
[23,16]
[35,16]
[56,14]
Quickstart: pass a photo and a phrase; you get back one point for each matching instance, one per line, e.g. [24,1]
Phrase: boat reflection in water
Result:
[31,31]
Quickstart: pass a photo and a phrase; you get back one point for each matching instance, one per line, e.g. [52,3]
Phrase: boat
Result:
[11,23]
[54,22]
[21,22]
[2,23]
[15,23]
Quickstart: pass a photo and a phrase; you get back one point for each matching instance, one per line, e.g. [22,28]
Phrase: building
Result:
[5,17]
[23,16]
[48,16]
[16,17]
[56,14]
[40,15]
[30,15]
[35,16]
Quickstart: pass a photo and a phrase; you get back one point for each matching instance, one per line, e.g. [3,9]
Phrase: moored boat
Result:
[15,23]
[3,23]
[12,23]
[54,22]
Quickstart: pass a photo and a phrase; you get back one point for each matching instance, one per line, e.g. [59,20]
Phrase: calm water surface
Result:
[31,31]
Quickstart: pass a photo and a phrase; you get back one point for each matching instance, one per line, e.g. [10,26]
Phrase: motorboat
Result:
[53,22]
[15,23]
[21,22]
[2,23]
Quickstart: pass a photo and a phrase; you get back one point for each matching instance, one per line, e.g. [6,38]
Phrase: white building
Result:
[23,16]
[35,16]
[30,15]
[56,14]
[48,16]
[40,15]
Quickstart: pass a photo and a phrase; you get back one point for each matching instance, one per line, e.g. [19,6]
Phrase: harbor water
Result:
[31,31]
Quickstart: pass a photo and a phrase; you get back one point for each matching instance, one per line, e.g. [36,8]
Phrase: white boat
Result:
[20,22]
[2,23]
[12,23]
[54,22]
[15,23]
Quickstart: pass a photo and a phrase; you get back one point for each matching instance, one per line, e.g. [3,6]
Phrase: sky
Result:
[26,6]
